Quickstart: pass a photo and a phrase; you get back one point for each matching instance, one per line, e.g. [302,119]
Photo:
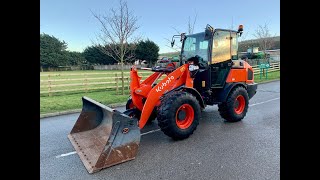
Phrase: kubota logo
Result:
[169,80]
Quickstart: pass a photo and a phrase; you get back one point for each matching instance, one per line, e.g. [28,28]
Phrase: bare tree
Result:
[244,36]
[190,30]
[117,31]
[264,37]
[191,24]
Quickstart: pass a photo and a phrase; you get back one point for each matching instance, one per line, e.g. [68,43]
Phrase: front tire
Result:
[178,115]
[236,106]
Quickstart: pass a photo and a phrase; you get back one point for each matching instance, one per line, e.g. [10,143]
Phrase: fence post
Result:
[128,83]
[116,83]
[274,66]
[49,85]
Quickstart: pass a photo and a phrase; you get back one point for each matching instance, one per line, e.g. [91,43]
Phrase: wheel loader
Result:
[209,73]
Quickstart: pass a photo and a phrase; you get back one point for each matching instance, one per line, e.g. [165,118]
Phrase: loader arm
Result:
[178,77]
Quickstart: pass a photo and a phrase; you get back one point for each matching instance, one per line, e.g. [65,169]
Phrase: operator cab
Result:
[215,50]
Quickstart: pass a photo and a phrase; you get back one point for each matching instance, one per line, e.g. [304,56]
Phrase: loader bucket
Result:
[103,137]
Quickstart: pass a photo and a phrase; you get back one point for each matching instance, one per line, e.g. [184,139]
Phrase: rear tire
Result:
[178,115]
[236,106]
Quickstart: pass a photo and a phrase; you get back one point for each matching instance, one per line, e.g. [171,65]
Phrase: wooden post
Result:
[117,83]
[128,83]
[49,85]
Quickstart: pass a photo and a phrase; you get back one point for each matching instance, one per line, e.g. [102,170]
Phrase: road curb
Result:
[269,81]
[76,111]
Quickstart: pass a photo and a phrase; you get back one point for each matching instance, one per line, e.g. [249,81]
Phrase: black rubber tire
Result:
[167,114]
[152,117]
[227,110]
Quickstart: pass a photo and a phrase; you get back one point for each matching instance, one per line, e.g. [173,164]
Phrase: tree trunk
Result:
[41,68]
[265,57]
[122,77]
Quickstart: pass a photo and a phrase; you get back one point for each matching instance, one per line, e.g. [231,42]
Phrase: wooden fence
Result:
[273,67]
[53,83]
[84,82]
[90,67]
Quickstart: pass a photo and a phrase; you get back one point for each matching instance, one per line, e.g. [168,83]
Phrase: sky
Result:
[73,22]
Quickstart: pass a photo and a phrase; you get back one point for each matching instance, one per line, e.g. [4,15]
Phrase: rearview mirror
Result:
[172,43]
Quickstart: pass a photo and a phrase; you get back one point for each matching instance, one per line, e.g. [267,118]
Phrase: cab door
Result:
[224,50]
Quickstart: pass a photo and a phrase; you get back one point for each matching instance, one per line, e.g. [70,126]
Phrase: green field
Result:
[271,76]
[72,100]
[62,101]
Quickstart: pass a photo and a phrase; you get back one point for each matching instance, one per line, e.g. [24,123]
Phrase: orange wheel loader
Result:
[210,73]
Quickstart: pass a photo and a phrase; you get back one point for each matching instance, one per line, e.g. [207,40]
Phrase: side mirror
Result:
[172,43]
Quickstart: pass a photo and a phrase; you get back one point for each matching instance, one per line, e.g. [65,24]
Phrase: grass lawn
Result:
[271,76]
[63,102]
[73,101]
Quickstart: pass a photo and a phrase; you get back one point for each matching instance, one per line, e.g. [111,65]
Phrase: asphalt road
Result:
[249,149]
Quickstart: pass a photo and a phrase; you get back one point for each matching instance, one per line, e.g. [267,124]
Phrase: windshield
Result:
[195,45]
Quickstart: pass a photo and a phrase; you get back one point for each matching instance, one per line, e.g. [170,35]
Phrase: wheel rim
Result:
[184,116]
[240,103]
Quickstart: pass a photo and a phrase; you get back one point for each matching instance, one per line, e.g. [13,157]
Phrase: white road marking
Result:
[264,102]
[67,154]
[152,131]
